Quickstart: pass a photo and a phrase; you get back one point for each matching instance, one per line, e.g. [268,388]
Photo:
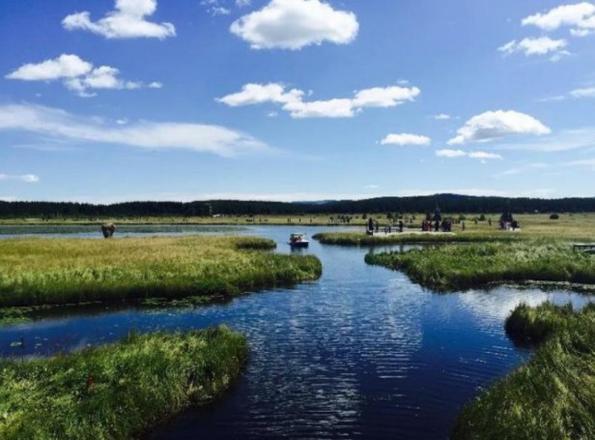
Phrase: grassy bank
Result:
[551,397]
[363,239]
[579,226]
[116,391]
[454,267]
[36,272]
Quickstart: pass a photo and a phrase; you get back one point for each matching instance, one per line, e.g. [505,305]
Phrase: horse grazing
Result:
[108,230]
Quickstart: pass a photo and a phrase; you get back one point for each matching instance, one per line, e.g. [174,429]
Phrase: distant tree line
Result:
[447,202]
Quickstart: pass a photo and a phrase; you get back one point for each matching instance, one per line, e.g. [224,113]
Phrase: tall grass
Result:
[455,267]
[551,397]
[362,239]
[61,271]
[116,391]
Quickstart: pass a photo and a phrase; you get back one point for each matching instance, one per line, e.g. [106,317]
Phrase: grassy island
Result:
[460,267]
[363,239]
[551,397]
[117,391]
[38,272]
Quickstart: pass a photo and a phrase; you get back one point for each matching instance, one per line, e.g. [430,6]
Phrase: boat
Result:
[298,241]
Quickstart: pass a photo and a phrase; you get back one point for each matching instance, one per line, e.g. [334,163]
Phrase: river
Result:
[361,353]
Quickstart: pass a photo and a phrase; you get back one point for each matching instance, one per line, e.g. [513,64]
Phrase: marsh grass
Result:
[460,267]
[551,397]
[362,239]
[36,272]
[116,391]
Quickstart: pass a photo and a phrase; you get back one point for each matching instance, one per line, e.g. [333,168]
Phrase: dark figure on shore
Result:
[400,225]
[437,226]
[108,230]
[463,225]
[370,228]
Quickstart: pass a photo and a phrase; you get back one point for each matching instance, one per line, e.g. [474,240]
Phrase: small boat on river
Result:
[298,241]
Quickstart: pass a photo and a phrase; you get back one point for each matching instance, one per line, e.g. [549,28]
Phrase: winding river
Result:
[361,353]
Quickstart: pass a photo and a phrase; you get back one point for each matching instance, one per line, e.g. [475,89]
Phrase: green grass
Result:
[117,391]
[551,397]
[362,239]
[37,272]
[461,267]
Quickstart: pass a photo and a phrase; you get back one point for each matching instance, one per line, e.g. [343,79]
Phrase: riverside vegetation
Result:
[551,397]
[42,272]
[117,391]
[454,267]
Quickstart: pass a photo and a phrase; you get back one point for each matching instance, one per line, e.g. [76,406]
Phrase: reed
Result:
[363,239]
[35,272]
[461,267]
[117,391]
[552,396]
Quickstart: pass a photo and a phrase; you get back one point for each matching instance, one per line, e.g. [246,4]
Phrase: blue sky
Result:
[105,100]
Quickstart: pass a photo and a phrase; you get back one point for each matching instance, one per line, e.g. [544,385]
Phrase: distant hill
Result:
[447,203]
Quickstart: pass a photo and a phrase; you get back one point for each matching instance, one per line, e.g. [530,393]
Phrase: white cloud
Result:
[579,16]
[77,75]
[332,108]
[588,92]
[215,8]
[27,178]
[128,20]
[483,155]
[403,139]
[442,117]
[536,46]
[294,24]
[293,102]
[590,163]
[447,152]
[64,66]
[260,93]
[60,125]
[384,96]
[492,125]
[565,140]
[522,169]
[480,155]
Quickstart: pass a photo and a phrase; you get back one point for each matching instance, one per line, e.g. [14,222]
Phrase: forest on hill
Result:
[448,203]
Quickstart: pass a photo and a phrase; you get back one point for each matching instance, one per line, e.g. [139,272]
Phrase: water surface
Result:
[361,353]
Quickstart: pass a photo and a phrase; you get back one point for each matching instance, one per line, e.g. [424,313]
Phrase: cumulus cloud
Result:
[77,75]
[536,46]
[27,178]
[580,17]
[294,24]
[293,101]
[492,125]
[403,139]
[60,125]
[127,20]
[442,117]
[64,66]
[480,155]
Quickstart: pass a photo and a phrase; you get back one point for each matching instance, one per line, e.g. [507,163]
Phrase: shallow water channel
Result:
[361,353]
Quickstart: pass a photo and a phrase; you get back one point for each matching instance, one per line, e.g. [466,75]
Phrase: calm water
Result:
[361,353]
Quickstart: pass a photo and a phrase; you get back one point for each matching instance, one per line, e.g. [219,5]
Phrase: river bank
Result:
[50,272]
[120,390]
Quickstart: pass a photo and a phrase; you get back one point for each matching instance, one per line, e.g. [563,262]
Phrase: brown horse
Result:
[108,230]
